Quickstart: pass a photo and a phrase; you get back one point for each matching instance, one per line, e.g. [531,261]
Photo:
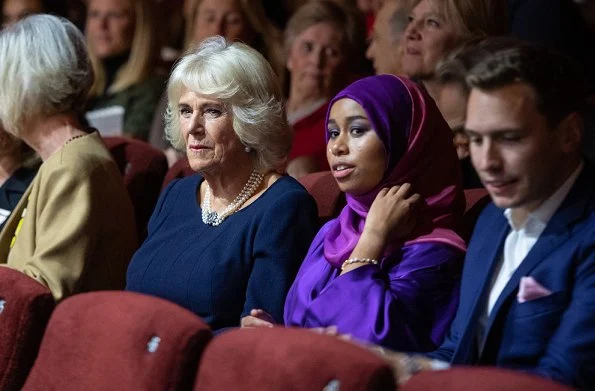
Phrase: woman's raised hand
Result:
[391,215]
[257,318]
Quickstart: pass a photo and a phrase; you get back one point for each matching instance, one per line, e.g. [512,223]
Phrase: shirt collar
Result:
[542,215]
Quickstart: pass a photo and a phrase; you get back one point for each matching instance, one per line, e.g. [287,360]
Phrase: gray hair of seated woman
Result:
[241,78]
[45,70]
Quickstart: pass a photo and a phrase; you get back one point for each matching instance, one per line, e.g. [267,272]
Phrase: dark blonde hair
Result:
[143,53]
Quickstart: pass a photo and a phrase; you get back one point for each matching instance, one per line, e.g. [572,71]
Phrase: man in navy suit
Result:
[528,286]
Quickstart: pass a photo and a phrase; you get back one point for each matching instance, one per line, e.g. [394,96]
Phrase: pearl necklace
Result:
[212,218]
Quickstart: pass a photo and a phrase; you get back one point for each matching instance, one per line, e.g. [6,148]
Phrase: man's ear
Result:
[571,129]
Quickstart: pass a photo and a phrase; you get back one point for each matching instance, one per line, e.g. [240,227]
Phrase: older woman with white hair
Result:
[73,229]
[232,238]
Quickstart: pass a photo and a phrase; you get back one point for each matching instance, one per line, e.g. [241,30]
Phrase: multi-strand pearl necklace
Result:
[212,218]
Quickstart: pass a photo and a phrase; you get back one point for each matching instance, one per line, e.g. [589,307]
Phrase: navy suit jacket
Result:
[553,336]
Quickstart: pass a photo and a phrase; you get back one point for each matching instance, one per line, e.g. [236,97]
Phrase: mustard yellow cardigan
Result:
[73,230]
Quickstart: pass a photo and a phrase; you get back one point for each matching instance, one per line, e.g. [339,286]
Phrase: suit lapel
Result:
[489,251]
[555,234]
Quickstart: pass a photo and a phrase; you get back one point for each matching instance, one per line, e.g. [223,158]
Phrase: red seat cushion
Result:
[117,340]
[25,307]
[279,359]
[180,169]
[479,379]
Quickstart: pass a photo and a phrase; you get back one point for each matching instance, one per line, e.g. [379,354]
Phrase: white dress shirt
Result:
[519,241]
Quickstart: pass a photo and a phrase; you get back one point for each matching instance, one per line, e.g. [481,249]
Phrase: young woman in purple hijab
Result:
[386,271]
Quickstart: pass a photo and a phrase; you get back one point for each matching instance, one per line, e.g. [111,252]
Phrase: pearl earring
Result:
[247,149]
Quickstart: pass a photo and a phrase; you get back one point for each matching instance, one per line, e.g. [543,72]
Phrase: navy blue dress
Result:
[221,273]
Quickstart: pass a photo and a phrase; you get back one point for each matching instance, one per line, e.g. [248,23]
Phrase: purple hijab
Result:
[414,136]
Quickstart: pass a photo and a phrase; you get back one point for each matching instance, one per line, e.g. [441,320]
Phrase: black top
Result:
[13,189]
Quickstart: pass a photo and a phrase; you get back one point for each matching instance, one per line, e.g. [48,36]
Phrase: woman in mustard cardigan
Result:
[73,230]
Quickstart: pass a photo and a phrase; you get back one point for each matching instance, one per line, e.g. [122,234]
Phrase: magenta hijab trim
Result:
[419,150]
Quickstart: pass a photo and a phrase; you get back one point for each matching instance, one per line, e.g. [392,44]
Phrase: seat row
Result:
[116,340]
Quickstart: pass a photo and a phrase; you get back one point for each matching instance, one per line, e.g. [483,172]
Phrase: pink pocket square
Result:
[530,289]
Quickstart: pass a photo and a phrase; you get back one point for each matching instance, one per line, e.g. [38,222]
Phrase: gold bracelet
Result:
[358,260]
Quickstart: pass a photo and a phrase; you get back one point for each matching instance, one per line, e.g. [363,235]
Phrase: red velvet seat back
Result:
[479,379]
[117,340]
[279,359]
[143,169]
[329,198]
[180,169]
[25,307]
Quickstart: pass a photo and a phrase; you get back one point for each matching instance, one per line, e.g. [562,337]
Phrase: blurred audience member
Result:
[385,49]
[232,238]
[236,20]
[15,10]
[73,230]
[437,27]
[121,35]
[453,95]
[324,43]
[17,170]
[386,271]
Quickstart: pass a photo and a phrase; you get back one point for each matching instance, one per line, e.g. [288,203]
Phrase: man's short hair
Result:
[559,82]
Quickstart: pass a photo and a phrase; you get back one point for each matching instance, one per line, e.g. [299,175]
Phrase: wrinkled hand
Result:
[257,318]
[391,215]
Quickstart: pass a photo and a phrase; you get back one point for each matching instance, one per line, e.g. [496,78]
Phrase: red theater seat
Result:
[329,198]
[117,340]
[280,359]
[479,379]
[143,169]
[180,169]
[25,307]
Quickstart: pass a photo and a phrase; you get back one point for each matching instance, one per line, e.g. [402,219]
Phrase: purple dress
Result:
[407,304]
[408,301]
